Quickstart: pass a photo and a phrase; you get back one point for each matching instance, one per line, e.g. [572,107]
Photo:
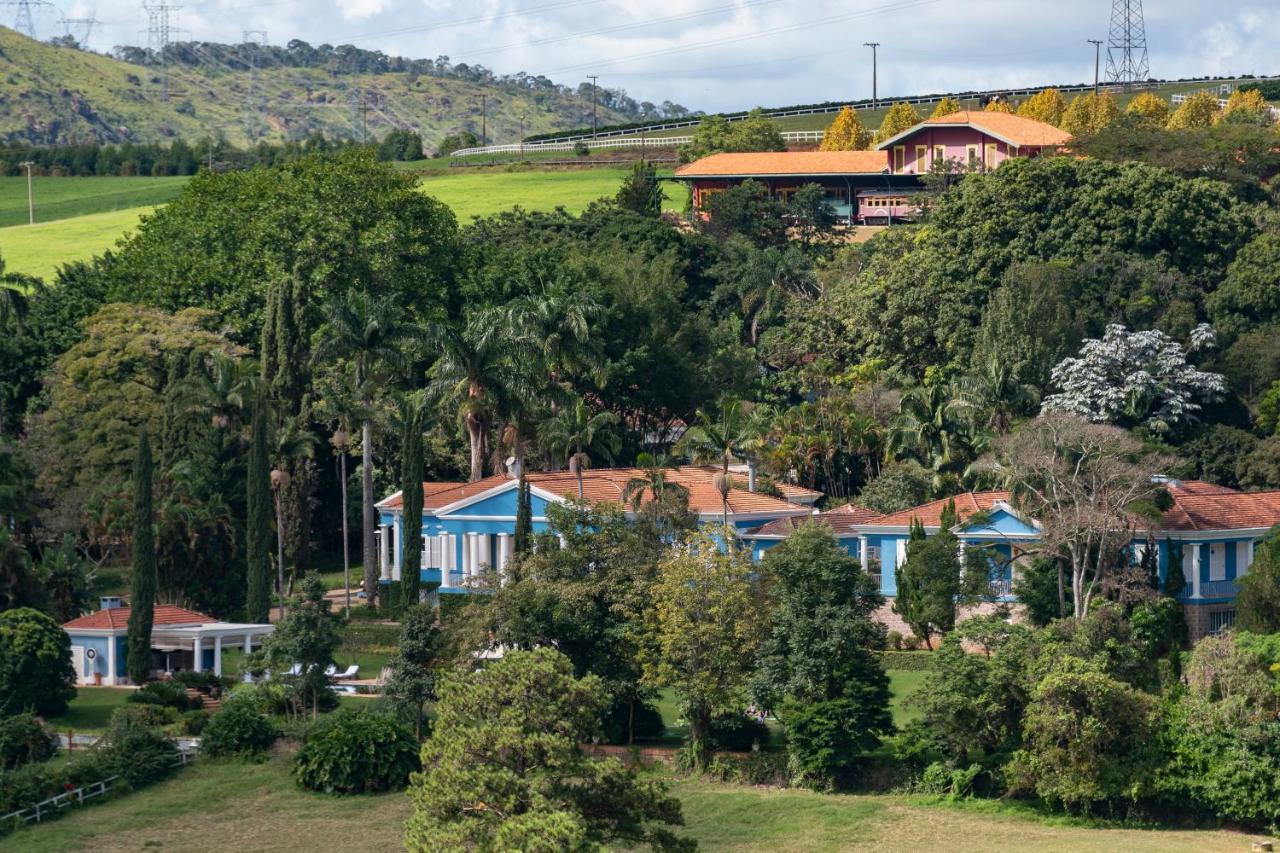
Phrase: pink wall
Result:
[955,142]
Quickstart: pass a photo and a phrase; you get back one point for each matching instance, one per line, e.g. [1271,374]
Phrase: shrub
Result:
[153,716]
[139,753]
[193,722]
[169,694]
[237,729]
[908,661]
[26,786]
[581,149]
[205,681]
[644,723]
[24,739]
[736,732]
[894,639]
[355,752]
[37,675]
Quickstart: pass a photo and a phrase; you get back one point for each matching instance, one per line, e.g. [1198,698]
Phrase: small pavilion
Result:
[181,639]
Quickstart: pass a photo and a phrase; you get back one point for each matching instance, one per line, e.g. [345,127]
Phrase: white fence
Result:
[55,805]
[626,137]
[624,142]
[1222,104]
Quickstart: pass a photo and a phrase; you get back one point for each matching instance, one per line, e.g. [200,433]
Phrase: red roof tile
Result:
[843,519]
[1014,129]
[930,514]
[1203,506]
[118,617]
[770,163]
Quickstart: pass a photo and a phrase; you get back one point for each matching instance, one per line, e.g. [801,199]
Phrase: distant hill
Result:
[59,95]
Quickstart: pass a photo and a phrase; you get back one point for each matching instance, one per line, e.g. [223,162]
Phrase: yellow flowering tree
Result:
[1198,110]
[1151,109]
[946,107]
[1246,107]
[846,133]
[900,117]
[1089,113]
[1047,106]
[998,107]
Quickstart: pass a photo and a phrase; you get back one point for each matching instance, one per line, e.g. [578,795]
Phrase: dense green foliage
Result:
[305,637]
[818,670]
[142,580]
[356,752]
[23,740]
[35,664]
[508,736]
[414,668]
[237,729]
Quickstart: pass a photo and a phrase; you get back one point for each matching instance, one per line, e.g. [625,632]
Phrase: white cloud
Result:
[754,52]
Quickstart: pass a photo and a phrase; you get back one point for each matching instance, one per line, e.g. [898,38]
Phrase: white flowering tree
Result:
[1136,378]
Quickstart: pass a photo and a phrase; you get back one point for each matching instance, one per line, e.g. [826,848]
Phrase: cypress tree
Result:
[523,540]
[258,510]
[411,492]
[142,597]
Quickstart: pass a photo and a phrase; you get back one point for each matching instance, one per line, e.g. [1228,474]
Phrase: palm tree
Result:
[486,370]
[668,506]
[719,436]
[224,390]
[289,442]
[366,333]
[576,432]
[929,430]
[995,395]
[15,292]
[559,328]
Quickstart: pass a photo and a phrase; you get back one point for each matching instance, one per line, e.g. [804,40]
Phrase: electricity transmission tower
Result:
[253,99]
[24,21]
[80,28]
[160,32]
[1127,44]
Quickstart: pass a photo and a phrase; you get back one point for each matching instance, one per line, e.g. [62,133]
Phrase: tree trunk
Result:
[346,548]
[280,551]
[475,432]
[369,547]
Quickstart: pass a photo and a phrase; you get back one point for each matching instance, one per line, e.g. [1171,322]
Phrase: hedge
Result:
[907,661]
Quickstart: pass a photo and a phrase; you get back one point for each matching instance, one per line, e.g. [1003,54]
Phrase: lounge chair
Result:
[296,669]
[349,673]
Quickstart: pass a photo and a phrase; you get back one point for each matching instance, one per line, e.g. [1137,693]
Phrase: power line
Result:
[24,21]
[160,32]
[81,36]
[478,19]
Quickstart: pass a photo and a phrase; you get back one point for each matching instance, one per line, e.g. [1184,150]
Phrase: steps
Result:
[206,703]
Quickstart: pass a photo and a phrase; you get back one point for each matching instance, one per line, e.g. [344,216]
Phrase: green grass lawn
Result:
[90,711]
[39,249]
[480,192]
[64,198]
[217,806]
[903,685]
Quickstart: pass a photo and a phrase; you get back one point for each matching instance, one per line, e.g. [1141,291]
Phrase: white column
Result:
[486,552]
[397,552]
[864,552]
[248,642]
[468,556]
[384,551]
[1244,558]
[110,676]
[197,655]
[1195,570]
[217,655]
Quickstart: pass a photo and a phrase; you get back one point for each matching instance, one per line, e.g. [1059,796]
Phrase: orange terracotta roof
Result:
[843,519]
[1204,506]
[1014,129]
[770,163]
[118,617]
[433,495]
[930,514]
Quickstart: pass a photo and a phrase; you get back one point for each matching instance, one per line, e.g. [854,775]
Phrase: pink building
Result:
[979,140]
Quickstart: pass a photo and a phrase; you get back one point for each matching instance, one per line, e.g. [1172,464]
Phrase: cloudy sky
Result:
[729,54]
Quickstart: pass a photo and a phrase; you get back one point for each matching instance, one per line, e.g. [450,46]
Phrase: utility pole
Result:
[31,205]
[593,78]
[484,121]
[875,95]
[160,32]
[364,118]
[1097,61]
[522,115]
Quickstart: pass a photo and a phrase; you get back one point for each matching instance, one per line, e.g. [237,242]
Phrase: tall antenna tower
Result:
[24,22]
[160,32]
[1127,44]
[80,28]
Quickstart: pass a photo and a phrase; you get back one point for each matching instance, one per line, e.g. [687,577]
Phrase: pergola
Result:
[195,639]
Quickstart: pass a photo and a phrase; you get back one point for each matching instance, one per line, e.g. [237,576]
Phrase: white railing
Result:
[565,143]
[77,796]
[624,142]
[1177,100]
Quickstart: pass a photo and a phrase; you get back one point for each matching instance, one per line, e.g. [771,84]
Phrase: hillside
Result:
[54,95]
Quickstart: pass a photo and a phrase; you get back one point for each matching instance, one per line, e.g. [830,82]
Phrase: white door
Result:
[77,661]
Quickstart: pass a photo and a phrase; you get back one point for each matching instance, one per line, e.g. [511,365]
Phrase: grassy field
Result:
[214,806]
[39,249]
[91,710]
[480,192]
[64,198]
